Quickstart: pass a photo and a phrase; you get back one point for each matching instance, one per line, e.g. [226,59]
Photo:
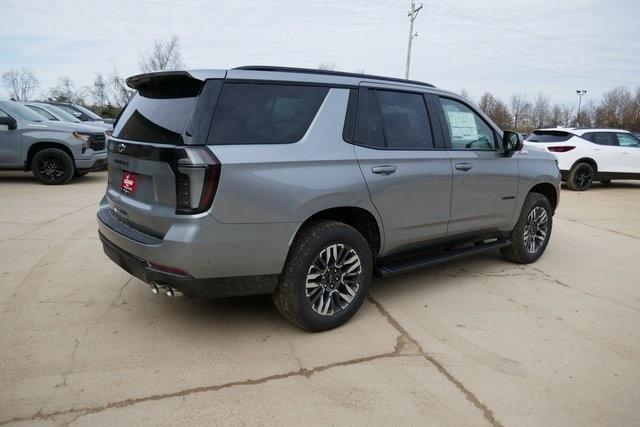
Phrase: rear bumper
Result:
[204,288]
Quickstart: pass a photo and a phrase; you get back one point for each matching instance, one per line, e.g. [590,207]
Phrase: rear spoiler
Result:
[138,80]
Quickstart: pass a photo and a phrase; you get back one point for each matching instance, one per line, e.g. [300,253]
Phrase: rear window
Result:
[250,113]
[159,113]
[549,136]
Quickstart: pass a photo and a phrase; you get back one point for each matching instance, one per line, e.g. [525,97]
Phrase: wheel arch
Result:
[588,160]
[549,191]
[359,218]
[38,146]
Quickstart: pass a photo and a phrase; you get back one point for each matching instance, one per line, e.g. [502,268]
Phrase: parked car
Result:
[54,151]
[303,184]
[53,113]
[587,155]
[83,114]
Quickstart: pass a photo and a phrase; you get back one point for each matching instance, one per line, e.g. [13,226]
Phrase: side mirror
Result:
[511,141]
[10,122]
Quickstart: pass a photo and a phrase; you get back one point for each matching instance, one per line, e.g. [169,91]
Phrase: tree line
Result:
[106,95]
[617,108]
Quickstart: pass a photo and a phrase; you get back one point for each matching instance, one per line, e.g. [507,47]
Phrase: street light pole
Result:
[412,16]
[580,93]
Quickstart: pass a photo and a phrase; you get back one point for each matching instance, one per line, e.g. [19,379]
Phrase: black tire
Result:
[52,166]
[291,296]
[519,251]
[605,181]
[580,177]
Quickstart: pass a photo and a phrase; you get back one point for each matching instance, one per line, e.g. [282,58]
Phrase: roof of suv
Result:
[582,131]
[283,73]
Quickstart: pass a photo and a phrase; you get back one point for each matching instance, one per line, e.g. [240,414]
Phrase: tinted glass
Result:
[159,113]
[70,110]
[64,115]
[466,129]
[368,130]
[601,138]
[549,136]
[264,113]
[47,115]
[627,140]
[20,111]
[406,123]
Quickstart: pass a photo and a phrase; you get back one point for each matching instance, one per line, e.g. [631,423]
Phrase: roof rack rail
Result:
[329,73]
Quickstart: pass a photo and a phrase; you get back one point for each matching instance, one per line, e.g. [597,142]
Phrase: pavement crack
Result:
[399,351]
[599,228]
[487,413]
[552,279]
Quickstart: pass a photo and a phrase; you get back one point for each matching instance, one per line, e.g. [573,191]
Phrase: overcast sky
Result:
[554,47]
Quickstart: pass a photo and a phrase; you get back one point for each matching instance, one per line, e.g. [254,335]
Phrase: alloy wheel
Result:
[535,230]
[333,279]
[51,168]
[583,177]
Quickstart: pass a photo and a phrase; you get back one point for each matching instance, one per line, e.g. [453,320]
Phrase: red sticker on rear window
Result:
[128,183]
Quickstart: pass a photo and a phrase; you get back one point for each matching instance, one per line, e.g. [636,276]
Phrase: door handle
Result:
[384,170]
[464,166]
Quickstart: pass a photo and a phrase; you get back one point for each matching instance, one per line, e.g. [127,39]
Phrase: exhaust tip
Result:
[155,289]
[169,293]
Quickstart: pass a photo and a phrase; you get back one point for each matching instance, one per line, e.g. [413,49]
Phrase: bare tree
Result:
[328,66]
[164,56]
[496,110]
[65,91]
[520,110]
[21,83]
[118,90]
[465,94]
[541,110]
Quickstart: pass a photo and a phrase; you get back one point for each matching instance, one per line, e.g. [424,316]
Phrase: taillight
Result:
[561,148]
[197,176]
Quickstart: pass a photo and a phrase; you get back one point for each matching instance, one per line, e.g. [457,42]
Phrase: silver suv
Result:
[304,184]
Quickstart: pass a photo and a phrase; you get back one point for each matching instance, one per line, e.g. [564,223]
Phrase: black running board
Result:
[427,259]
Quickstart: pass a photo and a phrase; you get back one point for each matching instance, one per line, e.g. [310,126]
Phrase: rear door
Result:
[158,165]
[630,148]
[485,181]
[606,151]
[401,154]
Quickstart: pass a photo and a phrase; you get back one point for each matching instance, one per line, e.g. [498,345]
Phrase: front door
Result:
[485,181]
[405,166]
[10,145]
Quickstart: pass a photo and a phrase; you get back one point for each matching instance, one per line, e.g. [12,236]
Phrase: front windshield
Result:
[22,112]
[64,116]
[89,113]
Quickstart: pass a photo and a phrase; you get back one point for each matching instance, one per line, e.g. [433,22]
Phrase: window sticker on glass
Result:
[463,126]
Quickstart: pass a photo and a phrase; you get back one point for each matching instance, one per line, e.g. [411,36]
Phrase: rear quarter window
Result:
[549,136]
[257,113]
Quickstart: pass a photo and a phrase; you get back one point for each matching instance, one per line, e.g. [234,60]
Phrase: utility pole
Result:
[581,93]
[412,16]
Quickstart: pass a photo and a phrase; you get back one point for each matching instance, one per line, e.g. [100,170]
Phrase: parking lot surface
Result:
[478,341]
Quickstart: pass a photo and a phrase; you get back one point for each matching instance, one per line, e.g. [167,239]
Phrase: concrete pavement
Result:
[479,341]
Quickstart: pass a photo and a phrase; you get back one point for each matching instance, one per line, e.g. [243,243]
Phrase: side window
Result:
[627,140]
[467,129]
[603,138]
[368,129]
[405,118]
[264,113]
[47,115]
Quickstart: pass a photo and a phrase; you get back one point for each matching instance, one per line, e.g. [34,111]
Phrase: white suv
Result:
[587,155]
